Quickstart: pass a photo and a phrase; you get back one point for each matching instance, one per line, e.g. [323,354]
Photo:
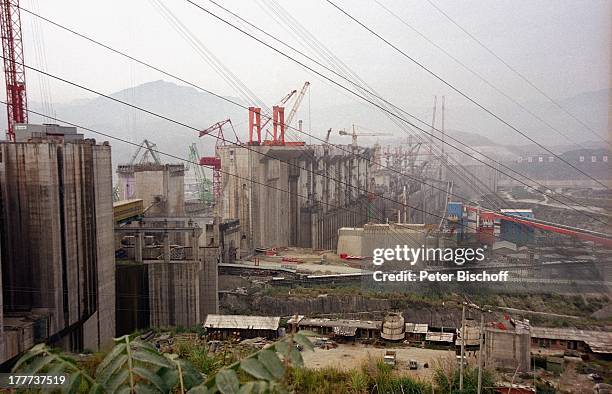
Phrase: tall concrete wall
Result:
[507,349]
[174,294]
[160,186]
[57,237]
[167,277]
[293,195]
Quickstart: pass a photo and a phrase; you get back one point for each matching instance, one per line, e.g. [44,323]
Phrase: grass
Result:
[373,376]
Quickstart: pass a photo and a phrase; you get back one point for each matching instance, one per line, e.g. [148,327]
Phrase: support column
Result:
[166,248]
[138,247]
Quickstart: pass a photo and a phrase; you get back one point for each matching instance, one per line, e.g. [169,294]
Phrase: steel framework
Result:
[14,69]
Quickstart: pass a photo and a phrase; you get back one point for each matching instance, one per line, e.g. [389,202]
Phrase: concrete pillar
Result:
[166,248]
[139,244]
[195,244]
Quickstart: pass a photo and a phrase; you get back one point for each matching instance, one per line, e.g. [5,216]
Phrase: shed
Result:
[243,326]
[416,331]
[446,338]
[339,327]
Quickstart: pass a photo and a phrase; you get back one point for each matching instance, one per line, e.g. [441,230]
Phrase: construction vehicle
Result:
[390,357]
[354,134]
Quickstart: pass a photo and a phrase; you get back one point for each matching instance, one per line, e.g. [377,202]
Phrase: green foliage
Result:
[131,366]
[447,380]
[135,366]
[374,376]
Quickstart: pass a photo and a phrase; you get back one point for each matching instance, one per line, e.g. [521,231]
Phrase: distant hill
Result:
[200,110]
[182,103]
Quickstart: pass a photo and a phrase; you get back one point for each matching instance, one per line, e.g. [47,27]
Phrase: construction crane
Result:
[14,69]
[150,151]
[282,102]
[354,134]
[296,105]
[214,161]
[327,136]
[204,184]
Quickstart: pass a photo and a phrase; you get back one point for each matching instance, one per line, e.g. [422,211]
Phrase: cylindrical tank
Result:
[393,327]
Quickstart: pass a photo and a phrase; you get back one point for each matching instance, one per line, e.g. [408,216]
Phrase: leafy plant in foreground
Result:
[135,366]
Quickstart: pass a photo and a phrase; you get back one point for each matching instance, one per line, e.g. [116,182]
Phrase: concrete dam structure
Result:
[56,243]
[286,195]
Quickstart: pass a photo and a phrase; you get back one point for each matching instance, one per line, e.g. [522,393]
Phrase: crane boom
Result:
[14,69]
[354,134]
[298,102]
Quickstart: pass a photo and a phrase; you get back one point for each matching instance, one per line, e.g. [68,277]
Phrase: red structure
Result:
[278,117]
[486,228]
[215,162]
[578,233]
[254,125]
[14,69]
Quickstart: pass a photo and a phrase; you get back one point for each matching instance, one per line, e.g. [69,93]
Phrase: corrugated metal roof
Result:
[242,322]
[345,331]
[416,328]
[439,336]
[598,341]
[364,324]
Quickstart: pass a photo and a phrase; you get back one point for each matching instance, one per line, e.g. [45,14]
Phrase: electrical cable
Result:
[334,82]
[515,71]
[463,94]
[479,76]
[412,124]
[159,70]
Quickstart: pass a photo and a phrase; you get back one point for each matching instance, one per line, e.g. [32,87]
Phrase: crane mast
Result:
[14,69]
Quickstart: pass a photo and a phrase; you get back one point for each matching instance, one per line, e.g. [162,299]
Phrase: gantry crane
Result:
[354,134]
[282,102]
[14,69]
[204,184]
[150,150]
[294,108]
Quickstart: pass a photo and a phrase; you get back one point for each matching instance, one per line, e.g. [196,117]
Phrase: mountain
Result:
[199,110]
[194,109]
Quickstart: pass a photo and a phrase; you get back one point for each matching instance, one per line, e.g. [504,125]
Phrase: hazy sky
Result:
[562,46]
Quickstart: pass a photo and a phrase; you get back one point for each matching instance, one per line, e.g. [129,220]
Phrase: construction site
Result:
[399,245]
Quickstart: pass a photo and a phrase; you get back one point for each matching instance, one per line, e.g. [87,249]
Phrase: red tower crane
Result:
[14,69]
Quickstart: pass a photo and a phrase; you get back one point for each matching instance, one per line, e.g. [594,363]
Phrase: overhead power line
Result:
[214,94]
[531,187]
[403,53]
[404,238]
[182,124]
[327,78]
[515,71]
[480,77]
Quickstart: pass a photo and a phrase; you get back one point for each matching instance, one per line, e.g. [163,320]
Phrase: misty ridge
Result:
[199,110]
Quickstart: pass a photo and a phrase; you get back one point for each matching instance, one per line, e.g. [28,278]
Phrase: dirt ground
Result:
[347,356]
